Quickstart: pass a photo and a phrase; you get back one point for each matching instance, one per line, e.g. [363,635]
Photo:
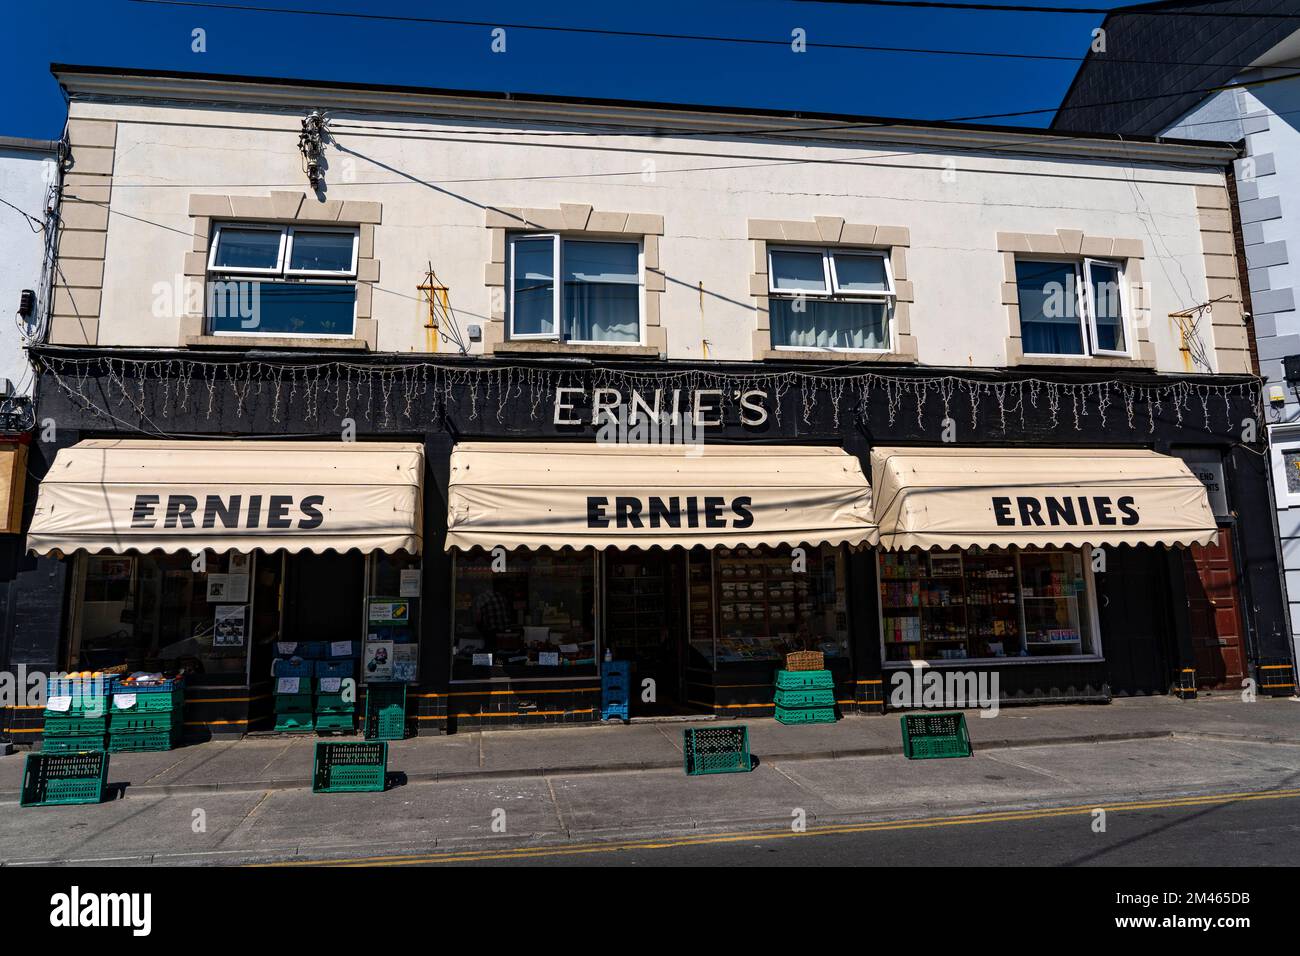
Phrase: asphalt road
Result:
[1213,830]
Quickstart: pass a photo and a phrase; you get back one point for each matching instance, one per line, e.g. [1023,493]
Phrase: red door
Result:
[1213,605]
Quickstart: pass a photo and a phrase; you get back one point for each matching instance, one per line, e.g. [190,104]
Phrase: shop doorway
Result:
[643,600]
[325,597]
[1214,613]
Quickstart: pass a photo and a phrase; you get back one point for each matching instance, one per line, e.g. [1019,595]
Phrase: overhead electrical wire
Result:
[687,37]
[1288,74]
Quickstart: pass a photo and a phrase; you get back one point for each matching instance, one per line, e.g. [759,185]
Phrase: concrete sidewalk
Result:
[572,816]
[285,762]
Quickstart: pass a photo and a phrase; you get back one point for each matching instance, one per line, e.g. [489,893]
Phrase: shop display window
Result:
[535,617]
[393,618]
[767,608]
[155,612]
[984,604]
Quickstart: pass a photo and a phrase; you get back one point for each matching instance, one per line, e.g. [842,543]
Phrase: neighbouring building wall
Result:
[438,192]
[1268,188]
[28,177]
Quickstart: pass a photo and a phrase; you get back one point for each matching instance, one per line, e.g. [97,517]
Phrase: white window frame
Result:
[1283,439]
[349,273]
[886,296]
[247,270]
[554,334]
[558,239]
[281,275]
[1083,305]
[833,292]
[1092,307]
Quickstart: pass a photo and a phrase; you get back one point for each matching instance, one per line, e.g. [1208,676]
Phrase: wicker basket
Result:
[805,661]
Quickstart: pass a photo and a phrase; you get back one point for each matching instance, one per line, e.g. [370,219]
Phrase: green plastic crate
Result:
[301,720]
[292,703]
[818,697]
[334,704]
[927,736]
[133,723]
[804,680]
[335,722]
[71,745]
[716,750]
[385,712]
[62,779]
[352,767]
[147,742]
[59,726]
[153,702]
[806,715]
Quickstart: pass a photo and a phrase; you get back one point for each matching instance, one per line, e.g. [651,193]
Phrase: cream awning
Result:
[622,496]
[949,497]
[114,495]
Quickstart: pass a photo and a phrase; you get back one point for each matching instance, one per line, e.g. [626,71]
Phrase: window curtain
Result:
[601,312]
[1049,314]
[602,291]
[829,325]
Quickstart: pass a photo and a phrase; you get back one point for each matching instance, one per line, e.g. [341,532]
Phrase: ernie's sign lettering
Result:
[269,511]
[710,511]
[701,407]
[1072,511]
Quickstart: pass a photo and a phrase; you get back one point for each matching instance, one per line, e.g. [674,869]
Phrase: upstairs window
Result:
[837,299]
[575,290]
[1072,308]
[282,280]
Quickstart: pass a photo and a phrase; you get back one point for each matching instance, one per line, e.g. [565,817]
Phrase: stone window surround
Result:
[568,219]
[836,233]
[1071,245]
[284,208]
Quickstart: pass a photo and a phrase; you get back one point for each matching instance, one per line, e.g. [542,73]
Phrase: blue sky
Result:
[155,36]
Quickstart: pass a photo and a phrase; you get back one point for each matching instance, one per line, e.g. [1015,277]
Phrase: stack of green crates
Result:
[334,709]
[146,716]
[805,697]
[293,700]
[76,716]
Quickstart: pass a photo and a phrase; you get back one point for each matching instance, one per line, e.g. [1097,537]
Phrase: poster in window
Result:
[410,583]
[377,664]
[406,663]
[238,563]
[237,588]
[390,612]
[217,587]
[228,628]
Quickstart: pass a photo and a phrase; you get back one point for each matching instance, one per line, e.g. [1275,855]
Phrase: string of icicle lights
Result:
[418,393]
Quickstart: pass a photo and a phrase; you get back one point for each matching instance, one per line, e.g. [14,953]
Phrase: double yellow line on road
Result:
[666,843]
